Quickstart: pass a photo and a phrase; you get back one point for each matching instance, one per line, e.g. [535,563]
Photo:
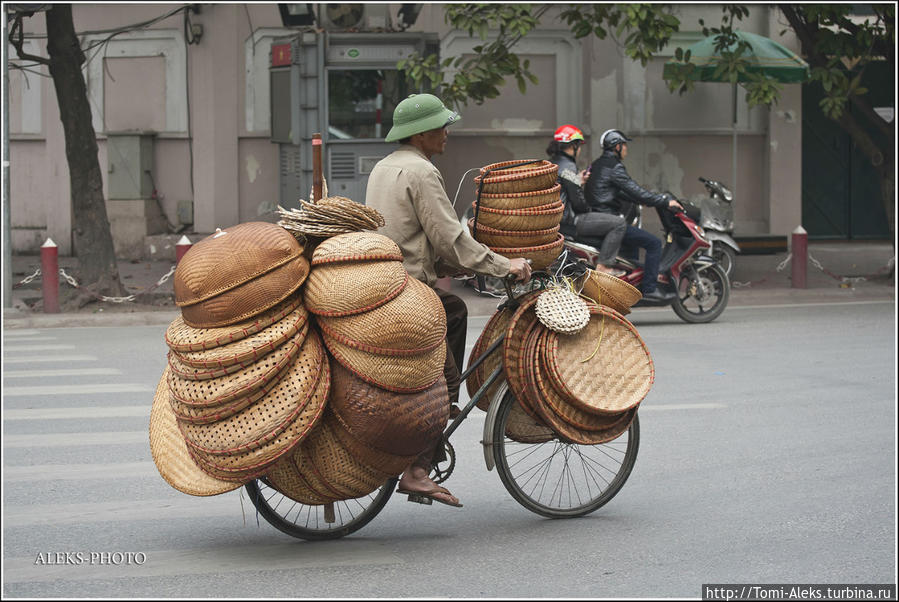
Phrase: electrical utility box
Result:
[344,86]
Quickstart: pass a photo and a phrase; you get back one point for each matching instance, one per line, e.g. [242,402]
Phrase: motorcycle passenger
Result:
[610,190]
[564,150]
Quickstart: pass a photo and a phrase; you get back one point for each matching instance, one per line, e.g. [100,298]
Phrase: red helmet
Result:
[568,133]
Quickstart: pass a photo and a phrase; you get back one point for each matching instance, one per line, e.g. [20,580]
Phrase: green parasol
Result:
[764,56]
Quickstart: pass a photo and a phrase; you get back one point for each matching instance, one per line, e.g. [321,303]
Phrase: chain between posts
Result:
[850,280]
[74,283]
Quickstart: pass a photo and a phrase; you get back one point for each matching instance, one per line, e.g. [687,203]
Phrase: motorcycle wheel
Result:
[726,257]
[702,295]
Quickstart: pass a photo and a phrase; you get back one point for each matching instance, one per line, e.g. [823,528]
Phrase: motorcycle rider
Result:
[610,189]
[564,150]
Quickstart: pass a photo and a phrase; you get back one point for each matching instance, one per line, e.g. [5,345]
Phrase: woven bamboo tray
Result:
[535,218]
[540,256]
[512,238]
[504,178]
[343,289]
[521,200]
[495,327]
[523,320]
[356,246]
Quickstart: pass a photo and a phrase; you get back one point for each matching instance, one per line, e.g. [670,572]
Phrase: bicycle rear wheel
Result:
[309,522]
[557,478]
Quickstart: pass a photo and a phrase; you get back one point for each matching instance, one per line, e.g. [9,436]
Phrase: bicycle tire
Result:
[351,515]
[525,469]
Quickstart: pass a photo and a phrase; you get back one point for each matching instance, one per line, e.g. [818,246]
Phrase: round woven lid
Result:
[284,477]
[241,466]
[523,320]
[286,406]
[494,328]
[227,388]
[231,257]
[398,373]
[356,246]
[343,289]
[411,324]
[613,379]
[183,338]
[403,424]
[370,457]
[170,451]
[524,428]
[249,298]
[561,310]
[608,290]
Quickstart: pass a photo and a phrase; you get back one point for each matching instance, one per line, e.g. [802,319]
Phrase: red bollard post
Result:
[799,251]
[181,247]
[50,276]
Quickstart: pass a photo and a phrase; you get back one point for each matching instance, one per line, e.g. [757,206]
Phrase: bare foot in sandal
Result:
[416,481]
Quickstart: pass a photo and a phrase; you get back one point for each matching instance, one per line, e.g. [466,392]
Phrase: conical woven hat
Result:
[284,407]
[170,451]
[223,389]
[495,327]
[610,291]
[398,373]
[342,289]
[605,368]
[412,323]
[183,338]
[242,466]
[248,349]
[356,246]
[404,424]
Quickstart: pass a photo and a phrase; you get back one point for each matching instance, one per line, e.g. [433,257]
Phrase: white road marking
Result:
[29,339]
[77,389]
[88,412]
[75,439]
[49,358]
[69,472]
[62,372]
[25,332]
[7,349]
[125,510]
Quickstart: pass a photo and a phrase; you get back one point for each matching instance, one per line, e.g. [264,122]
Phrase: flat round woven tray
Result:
[615,378]
[249,299]
[503,177]
[244,351]
[609,291]
[524,428]
[540,256]
[356,246]
[170,453]
[285,407]
[413,323]
[521,200]
[183,338]
[224,389]
[246,465]
[512,238]
[343,289]
[402,424]
[284,477]
[495,327]
[535,218]
[398,373]
[523,320]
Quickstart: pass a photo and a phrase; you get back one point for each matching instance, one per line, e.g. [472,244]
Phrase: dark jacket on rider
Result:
[572,193]
[610,188]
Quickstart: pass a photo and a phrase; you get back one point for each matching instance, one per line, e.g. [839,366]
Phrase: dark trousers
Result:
[609,227]
[456,326]
[639,238]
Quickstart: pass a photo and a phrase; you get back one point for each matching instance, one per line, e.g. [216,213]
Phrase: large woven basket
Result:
[535,218]
[541,256]
[412,323]
[370,457]
[521,200]
[400,424]
[237,273]
[170,454]
[496,326]
[343,289]
[609,290]
[523,320]
[504,178]
[356,246]
[495,237]
[605,368]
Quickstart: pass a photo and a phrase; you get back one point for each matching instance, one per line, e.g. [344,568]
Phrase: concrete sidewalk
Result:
[837,271]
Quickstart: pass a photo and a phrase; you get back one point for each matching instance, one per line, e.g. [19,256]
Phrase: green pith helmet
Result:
[419,113]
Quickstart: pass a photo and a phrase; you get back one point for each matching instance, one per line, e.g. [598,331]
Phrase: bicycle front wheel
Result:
[557,478]
[313,522]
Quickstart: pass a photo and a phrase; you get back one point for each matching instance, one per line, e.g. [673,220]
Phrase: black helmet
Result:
[612,138]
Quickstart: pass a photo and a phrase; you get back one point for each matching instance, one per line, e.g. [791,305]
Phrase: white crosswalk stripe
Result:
[33,359]
[77,389]
[74,439]
[62,372]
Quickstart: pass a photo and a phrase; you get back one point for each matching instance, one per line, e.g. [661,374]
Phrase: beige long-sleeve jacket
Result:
[408,190]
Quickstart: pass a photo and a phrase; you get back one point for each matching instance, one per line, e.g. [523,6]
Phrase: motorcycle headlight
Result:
[700,230]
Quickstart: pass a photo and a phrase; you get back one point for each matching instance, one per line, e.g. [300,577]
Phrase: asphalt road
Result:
[768,455]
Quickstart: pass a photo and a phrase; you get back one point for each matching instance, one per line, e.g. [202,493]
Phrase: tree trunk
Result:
[91,236]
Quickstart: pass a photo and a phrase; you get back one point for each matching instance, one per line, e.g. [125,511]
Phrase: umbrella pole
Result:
[733,174]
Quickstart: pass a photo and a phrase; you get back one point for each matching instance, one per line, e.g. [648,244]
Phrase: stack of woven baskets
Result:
[582,386]
[519,210]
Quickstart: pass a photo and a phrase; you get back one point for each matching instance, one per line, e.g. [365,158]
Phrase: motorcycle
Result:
[700,284]
[715,215]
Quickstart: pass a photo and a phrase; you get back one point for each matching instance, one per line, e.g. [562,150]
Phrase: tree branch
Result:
[19,41]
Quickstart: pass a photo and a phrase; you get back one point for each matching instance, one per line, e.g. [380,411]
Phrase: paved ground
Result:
[836,271]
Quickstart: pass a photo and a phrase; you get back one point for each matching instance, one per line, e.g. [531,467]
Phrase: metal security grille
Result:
[343,165]
[291,175]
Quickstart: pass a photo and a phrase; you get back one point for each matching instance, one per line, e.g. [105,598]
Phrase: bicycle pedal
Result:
[420,499]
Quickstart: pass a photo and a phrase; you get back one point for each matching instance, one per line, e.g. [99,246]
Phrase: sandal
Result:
[427,497]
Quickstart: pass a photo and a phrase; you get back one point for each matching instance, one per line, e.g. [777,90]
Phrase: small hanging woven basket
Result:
[560,309]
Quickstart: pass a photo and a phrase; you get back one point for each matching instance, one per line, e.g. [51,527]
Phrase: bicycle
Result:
[551,476]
